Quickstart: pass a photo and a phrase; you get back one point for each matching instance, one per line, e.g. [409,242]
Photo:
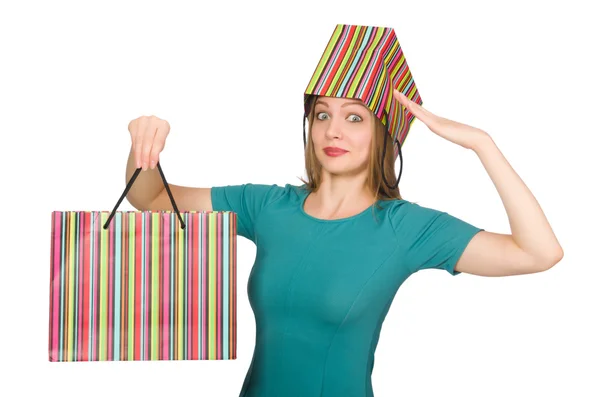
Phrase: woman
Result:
[332,253]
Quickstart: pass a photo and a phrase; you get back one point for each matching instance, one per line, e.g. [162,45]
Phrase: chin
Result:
[338,169]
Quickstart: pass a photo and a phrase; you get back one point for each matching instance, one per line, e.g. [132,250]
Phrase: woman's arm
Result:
[532,246]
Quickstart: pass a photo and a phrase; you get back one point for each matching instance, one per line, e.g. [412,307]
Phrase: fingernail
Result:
[152,164]
[145,167]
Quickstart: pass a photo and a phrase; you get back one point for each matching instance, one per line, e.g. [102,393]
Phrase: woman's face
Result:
[346,124]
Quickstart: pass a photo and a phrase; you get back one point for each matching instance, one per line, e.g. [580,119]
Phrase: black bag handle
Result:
[130,183]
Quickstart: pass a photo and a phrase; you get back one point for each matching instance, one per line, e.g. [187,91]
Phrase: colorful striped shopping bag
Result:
[142,285]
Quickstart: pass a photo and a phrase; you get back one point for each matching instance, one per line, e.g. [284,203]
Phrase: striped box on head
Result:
[367,63]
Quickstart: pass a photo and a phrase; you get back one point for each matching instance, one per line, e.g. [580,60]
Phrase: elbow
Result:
[551,260]
[134,203]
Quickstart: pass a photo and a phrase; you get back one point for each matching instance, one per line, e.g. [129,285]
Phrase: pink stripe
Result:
[95,296]
[204,286]
[109,287]
[56,283]
[146,340]
[80,281]
[190,296]
[219,288]
[166,292]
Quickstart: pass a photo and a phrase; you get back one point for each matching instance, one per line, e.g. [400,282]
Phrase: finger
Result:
[132,127]
[133,138]
[139,141]
[157,146]
[413,107]
[149,135]
[135,157]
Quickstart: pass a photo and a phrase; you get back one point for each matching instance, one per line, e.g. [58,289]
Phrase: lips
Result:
[331,151]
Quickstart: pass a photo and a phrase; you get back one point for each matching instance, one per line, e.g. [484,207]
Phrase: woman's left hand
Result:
[461,134]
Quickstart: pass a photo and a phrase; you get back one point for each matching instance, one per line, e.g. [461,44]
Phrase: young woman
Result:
[332,253]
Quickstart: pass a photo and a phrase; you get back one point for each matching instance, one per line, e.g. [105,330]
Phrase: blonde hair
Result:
[374,179]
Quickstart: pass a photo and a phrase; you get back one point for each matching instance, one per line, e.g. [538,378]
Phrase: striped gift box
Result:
[140,287]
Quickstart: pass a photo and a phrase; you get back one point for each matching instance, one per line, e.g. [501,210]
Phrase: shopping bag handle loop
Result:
[130,183]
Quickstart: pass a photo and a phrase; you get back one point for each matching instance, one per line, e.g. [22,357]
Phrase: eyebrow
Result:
[345,104]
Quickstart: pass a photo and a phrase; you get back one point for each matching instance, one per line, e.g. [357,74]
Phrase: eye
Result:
[354,117]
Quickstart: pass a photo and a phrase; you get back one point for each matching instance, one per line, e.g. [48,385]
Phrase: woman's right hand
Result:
[148,136]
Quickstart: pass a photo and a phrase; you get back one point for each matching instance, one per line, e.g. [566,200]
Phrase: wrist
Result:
[482,141]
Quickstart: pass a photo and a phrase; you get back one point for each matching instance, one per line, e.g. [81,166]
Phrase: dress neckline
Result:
[304,196]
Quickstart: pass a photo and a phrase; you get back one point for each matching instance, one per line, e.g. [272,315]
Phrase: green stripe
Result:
[131,327]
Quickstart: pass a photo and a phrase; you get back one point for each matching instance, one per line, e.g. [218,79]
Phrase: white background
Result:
[229,78]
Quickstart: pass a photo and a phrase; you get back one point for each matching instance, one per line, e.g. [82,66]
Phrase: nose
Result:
[334,129]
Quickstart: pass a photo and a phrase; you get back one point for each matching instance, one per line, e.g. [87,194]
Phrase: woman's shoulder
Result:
[403,206]
[403,212]
[277,189]
[269,193]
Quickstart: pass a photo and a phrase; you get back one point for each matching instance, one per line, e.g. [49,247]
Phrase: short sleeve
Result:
[435,239]
[246,200]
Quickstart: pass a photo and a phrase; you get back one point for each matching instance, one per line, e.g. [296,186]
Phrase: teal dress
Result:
[320,289]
